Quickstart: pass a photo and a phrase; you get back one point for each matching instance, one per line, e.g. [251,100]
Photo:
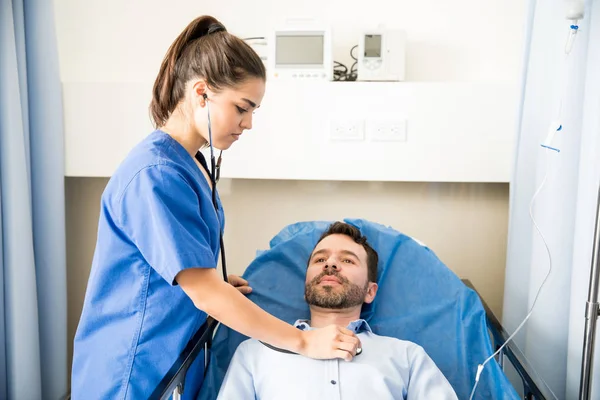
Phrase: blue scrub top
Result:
[156,219]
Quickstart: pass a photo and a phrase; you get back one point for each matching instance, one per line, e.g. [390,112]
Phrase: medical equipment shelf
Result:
[533,386]
[455,131]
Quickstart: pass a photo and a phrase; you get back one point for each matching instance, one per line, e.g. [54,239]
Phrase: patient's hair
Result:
[203,50]
[341,228]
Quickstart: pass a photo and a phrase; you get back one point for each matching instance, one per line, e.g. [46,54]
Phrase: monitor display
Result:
[299,50]
[372,45]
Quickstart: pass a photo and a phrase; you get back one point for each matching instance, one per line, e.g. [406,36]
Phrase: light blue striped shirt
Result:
[387,368]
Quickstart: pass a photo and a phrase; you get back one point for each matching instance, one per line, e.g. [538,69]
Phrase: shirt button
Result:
[333,382]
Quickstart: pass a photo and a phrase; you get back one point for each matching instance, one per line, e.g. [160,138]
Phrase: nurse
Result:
[153,278]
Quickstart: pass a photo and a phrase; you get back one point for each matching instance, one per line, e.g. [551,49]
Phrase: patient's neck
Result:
[322,317]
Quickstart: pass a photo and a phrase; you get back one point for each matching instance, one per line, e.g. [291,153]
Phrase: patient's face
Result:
[337,275]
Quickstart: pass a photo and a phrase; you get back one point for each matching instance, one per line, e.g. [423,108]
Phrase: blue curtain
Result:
[33,321]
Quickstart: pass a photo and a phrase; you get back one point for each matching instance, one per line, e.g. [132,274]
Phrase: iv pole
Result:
[575,12]
[591,314]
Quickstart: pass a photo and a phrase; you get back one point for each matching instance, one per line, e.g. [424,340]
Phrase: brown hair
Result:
[203,50]
[341,228]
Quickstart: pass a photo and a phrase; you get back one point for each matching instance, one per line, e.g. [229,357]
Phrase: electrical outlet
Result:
[387,131]
[346,130]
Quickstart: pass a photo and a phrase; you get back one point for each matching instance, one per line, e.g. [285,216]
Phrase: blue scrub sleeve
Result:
[160,212]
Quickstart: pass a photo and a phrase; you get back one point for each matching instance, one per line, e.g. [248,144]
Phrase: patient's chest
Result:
[380,372]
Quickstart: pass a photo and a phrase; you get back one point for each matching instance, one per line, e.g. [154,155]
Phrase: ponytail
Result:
[204,49]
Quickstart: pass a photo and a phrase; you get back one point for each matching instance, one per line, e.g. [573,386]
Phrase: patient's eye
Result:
[348,260]
[320,259]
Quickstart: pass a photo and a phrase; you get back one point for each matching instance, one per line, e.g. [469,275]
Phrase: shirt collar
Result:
[357,326]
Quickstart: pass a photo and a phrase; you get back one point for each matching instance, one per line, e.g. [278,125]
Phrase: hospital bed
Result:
[419,299]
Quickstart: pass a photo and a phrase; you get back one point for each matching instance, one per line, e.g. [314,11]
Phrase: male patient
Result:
[341,276]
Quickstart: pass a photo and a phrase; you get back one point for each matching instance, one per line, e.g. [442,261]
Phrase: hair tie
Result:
[215,28]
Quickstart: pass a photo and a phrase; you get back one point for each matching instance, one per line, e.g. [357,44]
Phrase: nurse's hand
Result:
[239,283]
[330,342]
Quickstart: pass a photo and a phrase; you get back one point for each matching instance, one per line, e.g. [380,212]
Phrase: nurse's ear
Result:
[200,92]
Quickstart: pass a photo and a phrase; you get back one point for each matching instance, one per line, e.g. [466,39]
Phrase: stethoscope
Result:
[215,174]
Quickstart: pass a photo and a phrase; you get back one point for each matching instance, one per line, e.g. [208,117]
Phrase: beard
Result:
[336,297]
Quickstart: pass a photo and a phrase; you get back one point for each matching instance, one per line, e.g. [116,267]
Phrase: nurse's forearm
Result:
[228,306]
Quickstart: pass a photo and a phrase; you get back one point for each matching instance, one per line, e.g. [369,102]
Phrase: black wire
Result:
[340,71]
[214,200]
[340,65]
[215,178]
[352,55]
[254,38]
[223,263]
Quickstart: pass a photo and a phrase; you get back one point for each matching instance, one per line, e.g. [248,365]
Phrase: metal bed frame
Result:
[534,388]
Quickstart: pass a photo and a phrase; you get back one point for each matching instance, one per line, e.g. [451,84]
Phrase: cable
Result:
[340,71]
[554,127]
[353,70]
[212,156]
[213,178]
[481,366]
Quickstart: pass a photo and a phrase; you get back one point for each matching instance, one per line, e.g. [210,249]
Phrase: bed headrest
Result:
[419,299]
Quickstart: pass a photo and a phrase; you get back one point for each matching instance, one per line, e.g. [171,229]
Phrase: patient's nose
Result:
[332,266]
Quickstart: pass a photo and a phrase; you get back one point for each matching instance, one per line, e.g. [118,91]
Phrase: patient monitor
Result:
[301,51]
[381,55]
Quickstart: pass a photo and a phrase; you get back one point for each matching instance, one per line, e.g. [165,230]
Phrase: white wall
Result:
[458,101]
[108,47]
[467,128]
[462,40]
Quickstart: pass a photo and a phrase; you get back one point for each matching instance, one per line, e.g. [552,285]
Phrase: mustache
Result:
[330,272]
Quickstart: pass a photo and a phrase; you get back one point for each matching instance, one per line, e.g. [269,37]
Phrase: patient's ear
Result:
[371,292]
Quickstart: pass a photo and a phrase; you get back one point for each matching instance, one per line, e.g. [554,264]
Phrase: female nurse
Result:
[153,278]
